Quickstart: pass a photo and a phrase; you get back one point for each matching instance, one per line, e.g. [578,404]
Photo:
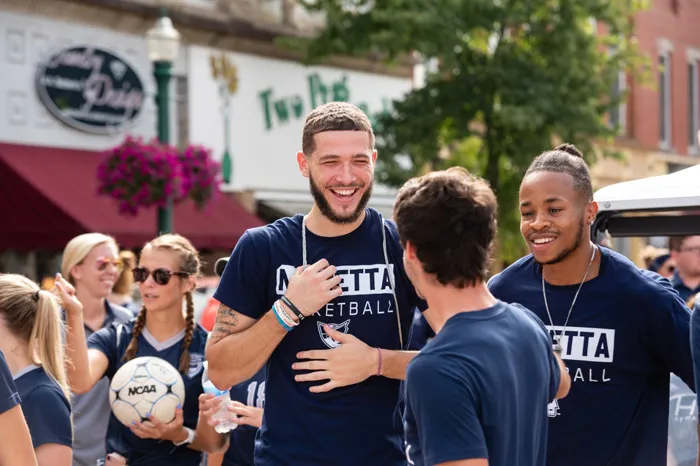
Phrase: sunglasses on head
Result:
[160,276]
[103,262]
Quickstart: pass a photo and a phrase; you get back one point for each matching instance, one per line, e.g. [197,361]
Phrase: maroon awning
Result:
[49,195]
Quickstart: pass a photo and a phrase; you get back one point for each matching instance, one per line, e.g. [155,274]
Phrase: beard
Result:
[567,252]
[325,207]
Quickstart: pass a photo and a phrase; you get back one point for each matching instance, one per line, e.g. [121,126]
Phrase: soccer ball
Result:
[143,386]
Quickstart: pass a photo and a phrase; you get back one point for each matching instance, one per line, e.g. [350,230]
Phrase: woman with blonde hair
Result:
[30,339]
[91,264]
[166,275]
[123,289]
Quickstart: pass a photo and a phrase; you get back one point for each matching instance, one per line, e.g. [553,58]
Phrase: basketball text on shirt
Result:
[357,280]
[588,345]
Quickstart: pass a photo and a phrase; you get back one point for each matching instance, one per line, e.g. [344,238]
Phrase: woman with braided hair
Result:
[166,275]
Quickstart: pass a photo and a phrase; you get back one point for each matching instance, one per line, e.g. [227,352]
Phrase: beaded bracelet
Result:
[280,319]
[285,315]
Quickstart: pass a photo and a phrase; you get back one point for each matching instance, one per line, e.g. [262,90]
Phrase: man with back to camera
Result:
[324,301]
[477,394]
[621,330]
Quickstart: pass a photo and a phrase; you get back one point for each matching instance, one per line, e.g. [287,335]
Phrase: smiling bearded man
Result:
[323,300]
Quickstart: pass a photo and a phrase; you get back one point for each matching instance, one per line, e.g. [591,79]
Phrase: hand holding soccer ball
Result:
[172,431]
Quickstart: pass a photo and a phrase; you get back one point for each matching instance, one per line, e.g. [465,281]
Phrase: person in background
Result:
[664,265]
[91,264]
[685,251]
[15,441]
[123,290]
[31,339]
[166,275]
[247,405]
[658,260]
[477,394]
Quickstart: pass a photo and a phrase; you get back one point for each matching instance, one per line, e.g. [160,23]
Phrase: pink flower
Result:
[141,175]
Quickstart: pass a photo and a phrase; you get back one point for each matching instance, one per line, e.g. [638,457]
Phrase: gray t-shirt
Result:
[91,410]
[682,423]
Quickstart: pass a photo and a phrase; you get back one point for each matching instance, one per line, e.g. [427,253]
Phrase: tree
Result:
[514,77]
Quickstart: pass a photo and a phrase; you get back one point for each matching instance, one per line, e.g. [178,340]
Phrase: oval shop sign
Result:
[90,89]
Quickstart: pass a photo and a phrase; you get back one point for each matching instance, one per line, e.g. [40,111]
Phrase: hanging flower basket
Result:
[200,175]
[140,175]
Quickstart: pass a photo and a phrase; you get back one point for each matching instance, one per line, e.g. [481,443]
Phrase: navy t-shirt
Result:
[421,332]
[112,341]
[9,398]
[480,389]
[242,443]
[46,409]
[682,288]
[695,341]
[627,332]
[355,425]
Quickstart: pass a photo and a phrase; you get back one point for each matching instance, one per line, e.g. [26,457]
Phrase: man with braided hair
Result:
[620,330]
[166,275]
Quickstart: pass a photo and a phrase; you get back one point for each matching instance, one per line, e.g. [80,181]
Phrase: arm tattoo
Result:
[226,320]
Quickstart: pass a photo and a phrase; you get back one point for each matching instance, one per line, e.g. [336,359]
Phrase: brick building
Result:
[660,119]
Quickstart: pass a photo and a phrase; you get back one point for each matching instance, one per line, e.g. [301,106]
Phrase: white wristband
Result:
[189,439]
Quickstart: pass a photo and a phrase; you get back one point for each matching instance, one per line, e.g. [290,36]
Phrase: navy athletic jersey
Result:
[695,343]
[627,332]
[303,428]
[112,341]
[480,389]
[45,408]
[91,410]
[242,443]
[9,398]
[421,333]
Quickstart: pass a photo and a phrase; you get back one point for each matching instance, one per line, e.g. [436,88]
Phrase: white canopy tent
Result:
[672,191]
[656,206]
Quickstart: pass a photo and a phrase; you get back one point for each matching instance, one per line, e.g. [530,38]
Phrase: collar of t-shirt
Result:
[109,318]
[682,288]
[24,371]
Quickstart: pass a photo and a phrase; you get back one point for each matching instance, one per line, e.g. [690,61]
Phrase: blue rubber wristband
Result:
[279,319]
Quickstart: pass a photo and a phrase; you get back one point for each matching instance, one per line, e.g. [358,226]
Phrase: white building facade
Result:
[266,119]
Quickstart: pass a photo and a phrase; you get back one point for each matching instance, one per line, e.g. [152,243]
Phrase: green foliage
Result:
[514,78]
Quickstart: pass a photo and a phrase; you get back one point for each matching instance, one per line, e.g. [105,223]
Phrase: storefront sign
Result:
[90,89]
[279,109]
[261,126]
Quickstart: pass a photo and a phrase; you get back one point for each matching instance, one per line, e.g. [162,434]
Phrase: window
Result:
[665,99]
[617,117]
[693,56]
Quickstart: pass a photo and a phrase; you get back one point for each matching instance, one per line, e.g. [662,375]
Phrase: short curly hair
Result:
[334,116]
[450,218]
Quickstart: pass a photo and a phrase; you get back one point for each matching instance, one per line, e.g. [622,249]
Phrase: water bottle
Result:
[222,415]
